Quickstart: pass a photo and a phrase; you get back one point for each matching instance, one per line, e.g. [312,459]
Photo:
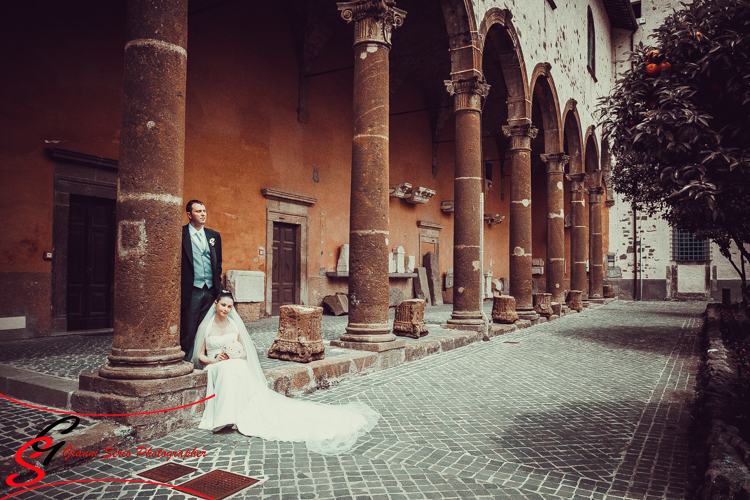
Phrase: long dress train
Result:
[244,399]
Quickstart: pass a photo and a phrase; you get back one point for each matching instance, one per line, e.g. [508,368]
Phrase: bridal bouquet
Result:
[233,349]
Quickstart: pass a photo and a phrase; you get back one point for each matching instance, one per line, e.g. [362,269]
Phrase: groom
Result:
[201,273]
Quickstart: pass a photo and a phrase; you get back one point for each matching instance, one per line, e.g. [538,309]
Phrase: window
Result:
[591,61]
[688,248]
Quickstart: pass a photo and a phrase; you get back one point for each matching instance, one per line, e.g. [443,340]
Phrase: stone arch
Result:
[465,47]
[572,137]
[510,56]
[591,153]
[543,90]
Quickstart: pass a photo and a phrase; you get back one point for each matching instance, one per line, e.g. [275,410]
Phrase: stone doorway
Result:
[91,245]
[284,275]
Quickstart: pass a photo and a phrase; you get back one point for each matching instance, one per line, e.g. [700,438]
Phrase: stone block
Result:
[421,287]
[249,311]
[609,292]
[337,304]
[398,256]
[534,285]
[497,288]
[573,300]
[299,337]
[504,309]
[395,297]
[556,308]
[543,304]
[409,320]
[411,264]
[247,286]
[487,288]
[449,279]
[391,263]
[506,285]
[432,267]
[448,296]
[342,266]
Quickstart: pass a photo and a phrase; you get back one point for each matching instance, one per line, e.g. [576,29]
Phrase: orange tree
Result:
[679,125]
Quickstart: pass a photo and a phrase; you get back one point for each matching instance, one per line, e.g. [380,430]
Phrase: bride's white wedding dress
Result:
[244,399]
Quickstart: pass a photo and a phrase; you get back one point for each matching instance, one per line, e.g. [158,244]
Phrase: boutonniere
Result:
[212,241]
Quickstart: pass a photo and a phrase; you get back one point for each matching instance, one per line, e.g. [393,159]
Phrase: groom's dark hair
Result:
[189,206]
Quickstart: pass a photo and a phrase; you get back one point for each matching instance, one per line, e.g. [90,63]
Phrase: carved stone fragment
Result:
[299,337]
[409,320]
[504,309]
[337,304]
[420,195]
[343,263]
[398,257]
[542,304]
[395,297]
[411,263]
[573,300]
[609,292]
[448,206]
[399,190]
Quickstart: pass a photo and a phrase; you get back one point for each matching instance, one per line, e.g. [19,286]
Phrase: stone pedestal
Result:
[368,216]
[543,304]
[578,234]
[609,291]
[555,225]
[299,337]
[520,215]
[574,300]
[504,309]
[409,320]
[467,188]
[557,309]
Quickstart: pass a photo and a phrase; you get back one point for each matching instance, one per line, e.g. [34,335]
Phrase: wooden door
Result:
[91,245]
[285,278]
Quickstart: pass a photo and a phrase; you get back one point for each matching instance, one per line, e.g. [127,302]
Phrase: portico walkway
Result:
[593,405]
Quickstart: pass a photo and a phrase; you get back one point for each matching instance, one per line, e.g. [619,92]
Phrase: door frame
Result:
[289,208]
[75,173]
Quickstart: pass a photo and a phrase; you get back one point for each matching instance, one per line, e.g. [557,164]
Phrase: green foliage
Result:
[680,130]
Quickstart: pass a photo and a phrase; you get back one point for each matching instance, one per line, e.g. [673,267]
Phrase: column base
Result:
[121,400]
[368,332]
[466,318]
[528,314]
[145,364]
[369,346]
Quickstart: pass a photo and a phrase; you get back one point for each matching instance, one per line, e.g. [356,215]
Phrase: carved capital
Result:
[399,190]
[419,195]
[493,219]
[467,94]
[576,182]
[520,135]
[374,20]
[595,193]
[555,162]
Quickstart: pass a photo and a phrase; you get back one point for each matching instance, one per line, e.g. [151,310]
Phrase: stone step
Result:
[35,387]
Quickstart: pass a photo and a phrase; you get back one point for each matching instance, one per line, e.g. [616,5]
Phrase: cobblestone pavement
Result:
[591,406]
[71,355]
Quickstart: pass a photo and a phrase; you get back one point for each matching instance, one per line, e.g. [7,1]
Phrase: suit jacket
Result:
[188,271]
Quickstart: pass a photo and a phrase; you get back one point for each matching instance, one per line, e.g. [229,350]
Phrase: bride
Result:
[224,349]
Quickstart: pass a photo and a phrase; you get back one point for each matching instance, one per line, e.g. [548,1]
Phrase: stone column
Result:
[368,222]
[578,236]
[520,217]
[555,225]
[467,191]
[596,264]
[145,370]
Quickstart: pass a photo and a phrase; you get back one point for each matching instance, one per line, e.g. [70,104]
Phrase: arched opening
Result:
[575,242]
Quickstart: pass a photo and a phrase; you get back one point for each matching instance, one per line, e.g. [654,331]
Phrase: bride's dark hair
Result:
[223,294]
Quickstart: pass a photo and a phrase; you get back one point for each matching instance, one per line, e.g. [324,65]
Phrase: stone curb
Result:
[727,474]
[35,387]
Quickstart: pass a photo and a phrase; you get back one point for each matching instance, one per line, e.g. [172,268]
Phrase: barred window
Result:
[686,247]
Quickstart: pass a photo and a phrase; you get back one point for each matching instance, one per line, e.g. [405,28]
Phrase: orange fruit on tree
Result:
[653,69]
[665,66]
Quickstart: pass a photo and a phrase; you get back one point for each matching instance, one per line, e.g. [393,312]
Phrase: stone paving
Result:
[70,356]
[594,405]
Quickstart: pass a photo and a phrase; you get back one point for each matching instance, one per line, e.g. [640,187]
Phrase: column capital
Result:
[374,20]
[595,193]
[576,181]
[520,135]
[555,162]
[594,178]
[468,94]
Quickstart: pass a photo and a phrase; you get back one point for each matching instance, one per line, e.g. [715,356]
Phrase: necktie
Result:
[199,241]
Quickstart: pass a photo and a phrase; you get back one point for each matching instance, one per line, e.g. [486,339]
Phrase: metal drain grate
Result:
[219,484]
[167,472]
